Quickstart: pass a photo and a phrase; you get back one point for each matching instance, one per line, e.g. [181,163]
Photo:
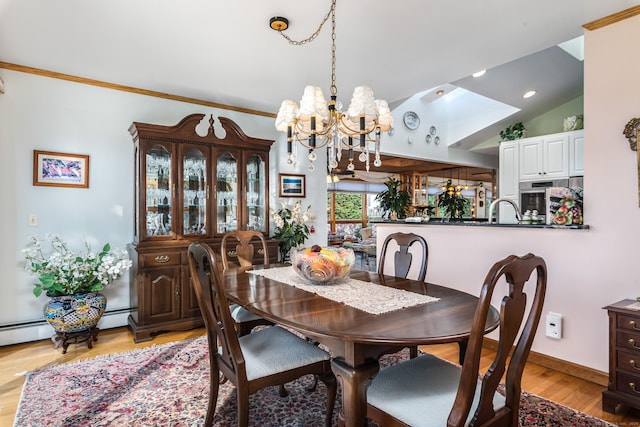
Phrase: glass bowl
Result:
[322,265]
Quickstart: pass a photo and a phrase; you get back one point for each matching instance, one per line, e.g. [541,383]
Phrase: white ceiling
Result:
[225,52]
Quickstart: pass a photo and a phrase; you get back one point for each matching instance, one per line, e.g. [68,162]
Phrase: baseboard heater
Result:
[43,322]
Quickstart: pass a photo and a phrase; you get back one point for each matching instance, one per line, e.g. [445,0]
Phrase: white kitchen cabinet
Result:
[545,157]
[509,158]
[576,153]
[509,180]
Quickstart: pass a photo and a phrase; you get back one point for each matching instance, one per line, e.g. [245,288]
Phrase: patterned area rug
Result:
[167,385]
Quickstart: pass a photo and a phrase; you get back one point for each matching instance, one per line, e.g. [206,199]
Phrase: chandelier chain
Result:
[333,89]
[302,42]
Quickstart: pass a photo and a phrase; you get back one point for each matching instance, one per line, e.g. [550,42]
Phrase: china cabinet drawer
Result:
[163,259]
[258,256]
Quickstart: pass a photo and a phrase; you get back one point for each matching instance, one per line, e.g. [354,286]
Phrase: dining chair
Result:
[267,357]
[403,258]
[244,253]
[402,261]
[428,391]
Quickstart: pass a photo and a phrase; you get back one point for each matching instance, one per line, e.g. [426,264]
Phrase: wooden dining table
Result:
[355,338]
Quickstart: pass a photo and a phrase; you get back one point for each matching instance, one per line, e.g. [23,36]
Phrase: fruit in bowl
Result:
[321,265]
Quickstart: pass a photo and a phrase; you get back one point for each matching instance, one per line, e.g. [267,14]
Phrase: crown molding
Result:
[114,86]
[612,19]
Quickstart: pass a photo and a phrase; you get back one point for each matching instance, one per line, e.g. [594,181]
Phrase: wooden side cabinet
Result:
[624,357]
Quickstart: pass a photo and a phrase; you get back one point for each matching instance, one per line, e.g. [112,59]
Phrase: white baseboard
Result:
[40,331]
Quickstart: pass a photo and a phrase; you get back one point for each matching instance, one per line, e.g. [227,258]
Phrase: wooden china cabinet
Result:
[189,188]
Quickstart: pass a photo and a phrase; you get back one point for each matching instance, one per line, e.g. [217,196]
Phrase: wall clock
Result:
[411,120]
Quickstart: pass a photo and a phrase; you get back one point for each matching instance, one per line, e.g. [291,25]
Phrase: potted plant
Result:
[394,199]
[515,131]
[452,201]
[291,227]
[72,281]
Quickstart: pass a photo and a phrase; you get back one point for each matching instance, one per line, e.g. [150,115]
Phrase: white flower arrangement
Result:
[63,272]
[291,227]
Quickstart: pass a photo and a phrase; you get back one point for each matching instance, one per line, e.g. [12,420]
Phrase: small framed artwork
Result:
[60,169]
[292,185]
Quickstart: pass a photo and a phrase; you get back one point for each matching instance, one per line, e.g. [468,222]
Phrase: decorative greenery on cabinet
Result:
[515,131]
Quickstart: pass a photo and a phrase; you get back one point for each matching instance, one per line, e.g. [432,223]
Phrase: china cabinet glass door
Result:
[194,192]
[256,193]
[226,193]
[159,199]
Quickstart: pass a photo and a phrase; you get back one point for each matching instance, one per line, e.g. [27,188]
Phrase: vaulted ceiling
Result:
[225,52]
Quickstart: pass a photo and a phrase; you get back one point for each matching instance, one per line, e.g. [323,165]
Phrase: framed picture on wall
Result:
[292,185]
[60,169]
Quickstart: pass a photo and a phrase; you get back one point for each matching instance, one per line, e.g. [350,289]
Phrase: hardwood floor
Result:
[15,360]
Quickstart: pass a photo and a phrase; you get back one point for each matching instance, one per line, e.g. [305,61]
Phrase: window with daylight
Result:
[350,207]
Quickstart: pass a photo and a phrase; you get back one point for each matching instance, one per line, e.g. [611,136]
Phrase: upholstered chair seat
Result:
[264,356]
[421,392]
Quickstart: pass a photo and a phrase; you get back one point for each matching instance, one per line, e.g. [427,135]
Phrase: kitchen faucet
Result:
[511,202]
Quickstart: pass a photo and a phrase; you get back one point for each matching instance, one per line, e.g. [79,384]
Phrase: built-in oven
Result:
[533,193]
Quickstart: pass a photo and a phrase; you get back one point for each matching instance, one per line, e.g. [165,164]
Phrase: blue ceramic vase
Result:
[75,313]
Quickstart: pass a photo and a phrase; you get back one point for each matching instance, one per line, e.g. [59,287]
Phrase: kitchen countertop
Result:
[471,223]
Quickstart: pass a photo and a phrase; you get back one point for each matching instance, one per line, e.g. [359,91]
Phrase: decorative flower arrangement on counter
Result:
[452,201]
[569,212]
[291,227]
[63,272]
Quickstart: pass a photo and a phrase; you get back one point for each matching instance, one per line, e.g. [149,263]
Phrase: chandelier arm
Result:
[303,141]
[344,128]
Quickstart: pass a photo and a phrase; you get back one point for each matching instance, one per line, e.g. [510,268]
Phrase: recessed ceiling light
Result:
[529,94]
[479,73]
[440,92]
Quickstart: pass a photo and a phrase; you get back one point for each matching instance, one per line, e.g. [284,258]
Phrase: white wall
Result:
[411,143]
[56,115]
[460,257]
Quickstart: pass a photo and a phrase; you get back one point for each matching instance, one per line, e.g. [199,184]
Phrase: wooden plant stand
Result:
[65,338]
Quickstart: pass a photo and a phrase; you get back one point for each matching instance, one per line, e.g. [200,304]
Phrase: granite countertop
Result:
[473,223]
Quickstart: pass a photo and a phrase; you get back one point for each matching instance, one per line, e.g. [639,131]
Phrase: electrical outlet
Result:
[32,220]
[554,325]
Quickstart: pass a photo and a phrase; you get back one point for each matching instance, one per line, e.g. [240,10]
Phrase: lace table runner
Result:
[365,296]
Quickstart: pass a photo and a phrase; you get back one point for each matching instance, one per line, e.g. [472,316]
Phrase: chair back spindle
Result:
[245,248]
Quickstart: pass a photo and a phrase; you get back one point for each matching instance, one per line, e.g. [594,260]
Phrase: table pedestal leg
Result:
[354,382]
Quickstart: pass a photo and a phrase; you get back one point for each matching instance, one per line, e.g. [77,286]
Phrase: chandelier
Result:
[316,123]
